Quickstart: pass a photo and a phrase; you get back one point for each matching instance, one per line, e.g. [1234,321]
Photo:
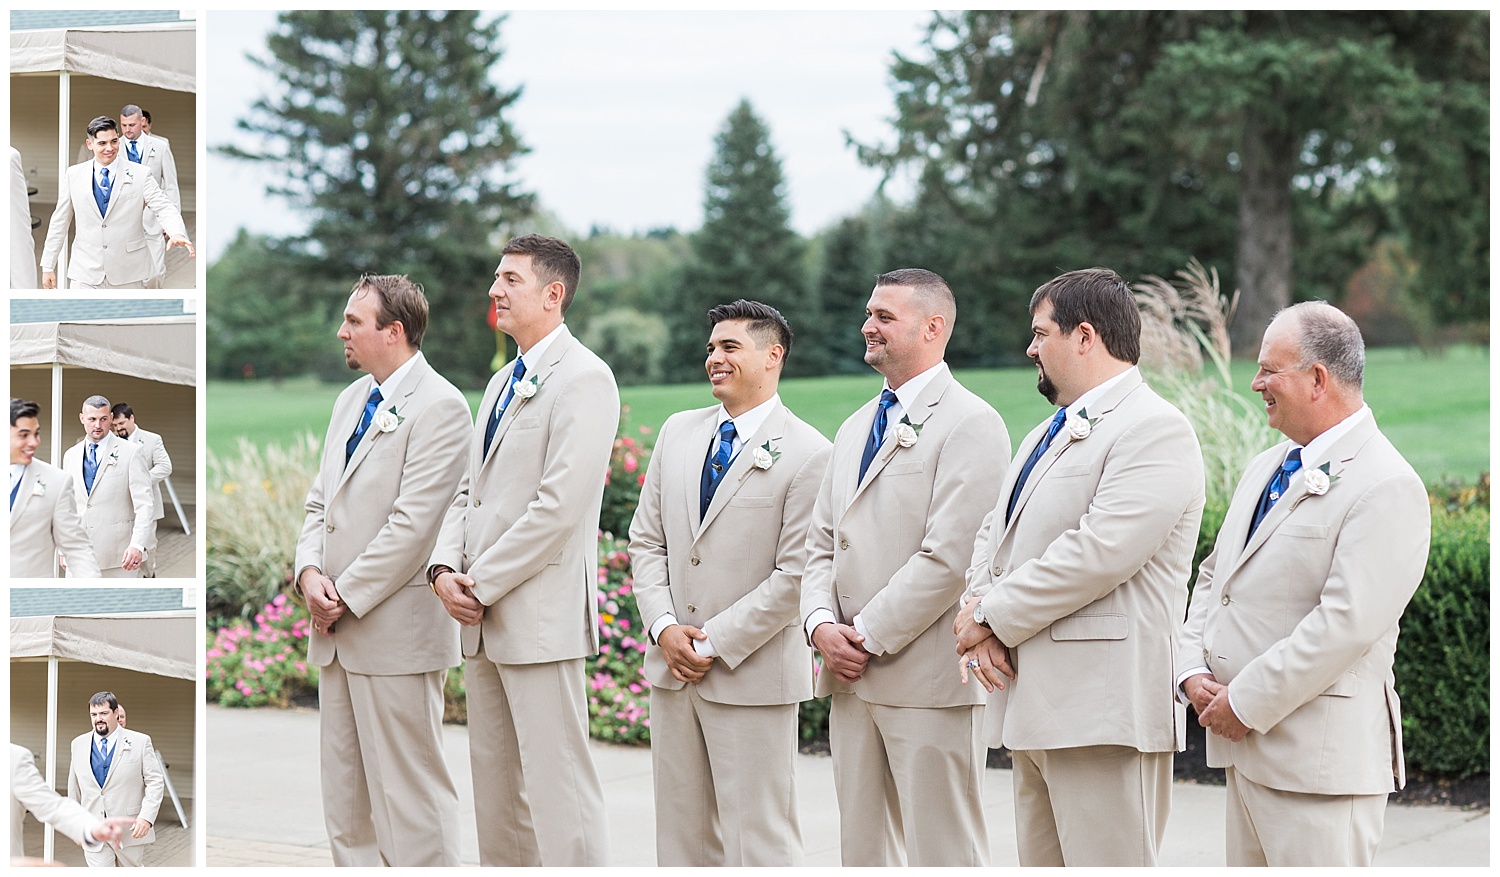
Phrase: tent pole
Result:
[56,427]
[47,833]
[64,109]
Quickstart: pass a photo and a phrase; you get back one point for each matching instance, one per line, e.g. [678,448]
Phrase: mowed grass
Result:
[1436,409]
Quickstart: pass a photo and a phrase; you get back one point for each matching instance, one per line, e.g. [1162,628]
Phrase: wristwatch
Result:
[979,613]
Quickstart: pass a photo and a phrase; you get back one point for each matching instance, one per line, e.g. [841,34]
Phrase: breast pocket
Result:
[912,468]
[1303,531]
[532,422]
[1069,471]
[753,502]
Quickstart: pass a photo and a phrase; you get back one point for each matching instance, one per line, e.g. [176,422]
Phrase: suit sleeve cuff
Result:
[870,645]
[1182,697]
[818,616]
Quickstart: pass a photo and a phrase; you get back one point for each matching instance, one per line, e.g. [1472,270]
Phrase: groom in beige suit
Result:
[913,473]
[392,459]
[114,772]
[43,512]
[516,564]
[717,548]
[1078,581]
[112,489]
[1288,646]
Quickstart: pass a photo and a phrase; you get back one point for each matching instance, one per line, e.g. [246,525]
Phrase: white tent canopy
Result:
[158,56]
[159,643]
[154,348]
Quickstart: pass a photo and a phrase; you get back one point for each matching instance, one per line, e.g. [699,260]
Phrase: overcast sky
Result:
[620,110]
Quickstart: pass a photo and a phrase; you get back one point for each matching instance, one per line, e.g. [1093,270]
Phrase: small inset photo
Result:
[103,726]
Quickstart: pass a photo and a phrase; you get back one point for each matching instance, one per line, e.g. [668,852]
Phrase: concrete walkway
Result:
[264,805]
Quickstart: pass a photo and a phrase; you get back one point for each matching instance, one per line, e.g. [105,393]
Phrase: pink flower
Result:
[301,666]
[630,463]
[279,601]
[635,688]
[642,480]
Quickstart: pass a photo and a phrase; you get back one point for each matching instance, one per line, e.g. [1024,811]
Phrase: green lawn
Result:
[1435,409]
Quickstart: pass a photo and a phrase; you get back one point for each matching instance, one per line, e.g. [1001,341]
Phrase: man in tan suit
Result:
[393,457]
[155,155]
[112,488]
[43,513]
[1078,579]
[28,791]
[1287,649]
[159,463]
[717,548]
[109,199]
[912,474]
[516,564]
[114,772]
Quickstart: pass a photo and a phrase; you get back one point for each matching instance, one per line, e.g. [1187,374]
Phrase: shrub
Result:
[1443,659]
[619,695]
[261,661]
[627,472]
[255,512]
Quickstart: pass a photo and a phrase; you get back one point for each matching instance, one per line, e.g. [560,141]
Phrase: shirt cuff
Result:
[869,645]
[1182,697]
[819,616]
[705,647]
[662,624]
[1229,697]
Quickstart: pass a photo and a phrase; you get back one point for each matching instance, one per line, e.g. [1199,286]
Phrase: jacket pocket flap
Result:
[753,502]
[1346,685]
[1303,531]
[902,468]
[1101,626]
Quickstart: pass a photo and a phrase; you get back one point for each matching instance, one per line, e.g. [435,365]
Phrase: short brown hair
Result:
[551,258]
[1101,298]
[766,323]
[401,301]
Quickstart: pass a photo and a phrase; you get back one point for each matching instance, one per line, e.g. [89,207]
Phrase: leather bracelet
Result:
[433,572]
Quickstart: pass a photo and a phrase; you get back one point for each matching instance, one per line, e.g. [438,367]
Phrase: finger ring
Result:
[973,665]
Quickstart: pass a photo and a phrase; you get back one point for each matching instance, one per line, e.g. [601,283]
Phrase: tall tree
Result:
[850,264]
[392,133]
[745,249]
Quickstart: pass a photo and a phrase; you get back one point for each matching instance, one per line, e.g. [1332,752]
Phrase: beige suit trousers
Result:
[537,796]
[1266,826]
[387,796]
[908,783]
[78,284]
[725,782]
[108,857]
[1091,805]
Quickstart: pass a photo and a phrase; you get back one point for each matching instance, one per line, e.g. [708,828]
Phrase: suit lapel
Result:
[107,452]
[541,372]
[23,494]
[922,409]
[122,177]
[373,434]
[701,439]
[740,468]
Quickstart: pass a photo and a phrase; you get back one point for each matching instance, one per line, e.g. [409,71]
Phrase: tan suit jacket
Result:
[1088,580]
[156,157]
[893,549]
[133,786]
[1301,621]
[43,522]
[28,791]
[525,520]
[157,461]
[371,525]
[117,512]
[738,574]
[109,248]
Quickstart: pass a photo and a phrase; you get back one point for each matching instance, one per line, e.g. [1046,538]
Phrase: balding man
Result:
[112,488]
[912,475]
[1287,649]
[139,146]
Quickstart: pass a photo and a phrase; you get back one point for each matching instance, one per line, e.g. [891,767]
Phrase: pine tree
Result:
[745,249]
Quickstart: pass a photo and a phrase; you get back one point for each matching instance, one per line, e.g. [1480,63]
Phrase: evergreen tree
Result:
[850,265]
[389,129]
[745,249]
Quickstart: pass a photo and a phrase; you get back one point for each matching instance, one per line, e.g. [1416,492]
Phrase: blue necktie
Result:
[14,489]
[1275,488]
[1036,454]
[504,403]
[134,155]
[715,467]
[364,425]
[101,191]
[90,466]
[877,432]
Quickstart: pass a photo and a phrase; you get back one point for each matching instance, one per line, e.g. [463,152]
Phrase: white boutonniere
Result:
[114,457]
[1317,481]
[765,455]
[39,489]
[1080,425]
[527,387]
[907,432]
[387,421]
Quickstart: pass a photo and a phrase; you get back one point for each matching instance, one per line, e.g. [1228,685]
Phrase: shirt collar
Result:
[750,422]
[1318,448]
[392,383]
[907,395]
[1097,393]
[533,356]
[113,170]
[17,472]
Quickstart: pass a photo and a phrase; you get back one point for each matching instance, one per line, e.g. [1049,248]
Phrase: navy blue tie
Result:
[1275,488]
[877,432]
[715,467]
[135,156]
[90,466]
[364,425]
[14,489]
[101,191]
[504,403]
[1036,454]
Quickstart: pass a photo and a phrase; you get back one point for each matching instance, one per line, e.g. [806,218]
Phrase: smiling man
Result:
[155,155]
[112,489]
[1078,581]
[1288,646]
[912,474]
[517,563]
[109,201]
[114,773]
[717,548]
[43,511]
[392,458]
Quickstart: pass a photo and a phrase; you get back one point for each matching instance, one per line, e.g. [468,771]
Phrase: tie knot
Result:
[1293,461]
[375,396]
[104,174]
[1059,417]
[726,431]
[520,369]
[887,399]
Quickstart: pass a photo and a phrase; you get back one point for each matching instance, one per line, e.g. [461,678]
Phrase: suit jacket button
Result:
[1224,599]
[477,503]
[999,571]
[330,528]
[692,608]
[694,560]
[844,544]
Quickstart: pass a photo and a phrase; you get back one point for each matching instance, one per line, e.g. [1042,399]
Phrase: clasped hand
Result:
[843,650]
[323,601]
[676,642]
[456,590]
[1210,698]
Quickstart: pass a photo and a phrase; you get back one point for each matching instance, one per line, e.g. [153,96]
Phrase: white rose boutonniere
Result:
[907,433]
[765,456]
[1080,425]
[387,421]
[39,489]
[527,388]
[1317,481]
[114,457]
